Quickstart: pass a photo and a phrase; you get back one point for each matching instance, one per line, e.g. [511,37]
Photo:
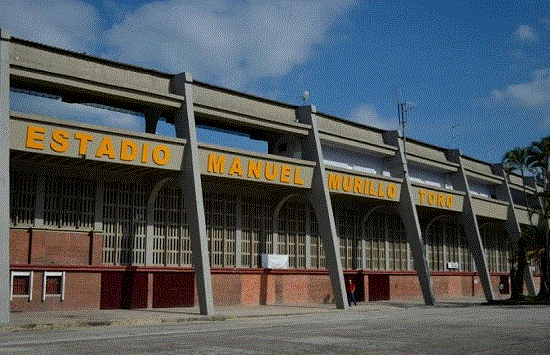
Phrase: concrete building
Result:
[107,218]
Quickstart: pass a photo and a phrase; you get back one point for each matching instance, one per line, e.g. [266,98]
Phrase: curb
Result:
[98,323]
[146,321]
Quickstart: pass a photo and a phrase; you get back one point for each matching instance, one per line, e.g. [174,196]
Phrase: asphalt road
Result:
[391,329]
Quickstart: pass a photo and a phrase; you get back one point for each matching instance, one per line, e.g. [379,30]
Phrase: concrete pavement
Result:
[100,317]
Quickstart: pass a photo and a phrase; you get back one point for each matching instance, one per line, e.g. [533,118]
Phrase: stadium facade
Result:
[107,218]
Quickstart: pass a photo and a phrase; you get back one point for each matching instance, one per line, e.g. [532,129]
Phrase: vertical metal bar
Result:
[239,233]
[308,239]
[98,217]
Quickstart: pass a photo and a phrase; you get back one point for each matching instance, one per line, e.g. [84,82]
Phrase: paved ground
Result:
[85,318]
[451,327]
[118,317]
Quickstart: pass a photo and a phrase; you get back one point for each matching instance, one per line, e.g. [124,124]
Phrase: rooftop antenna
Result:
[403,107]
[305,96]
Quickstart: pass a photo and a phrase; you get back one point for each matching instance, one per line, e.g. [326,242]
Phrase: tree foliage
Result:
[533,245]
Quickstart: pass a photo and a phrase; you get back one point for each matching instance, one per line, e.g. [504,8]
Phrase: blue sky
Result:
[483,67]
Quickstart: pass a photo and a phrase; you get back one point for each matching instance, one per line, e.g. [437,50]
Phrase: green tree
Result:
[514,160]
[539,161]
[536,160]
[517,159]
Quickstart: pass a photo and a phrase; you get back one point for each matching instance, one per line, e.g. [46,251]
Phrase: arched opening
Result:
[124,223]
[256,230]
[297,233]
[385,240]
[497,246]
[171,241]
[446,245]
[221,226]
[317,252]
[351,248]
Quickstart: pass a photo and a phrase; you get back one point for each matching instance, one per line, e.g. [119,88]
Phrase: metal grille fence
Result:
[69,202]
[397,243]
[445,242]
[434,244]
[124,224]
[494,242]
[22,199]
[375,240]
[465,255]
[171,243]
[292,233]
[350,247]
[317,250]
[257,221]
[220,211]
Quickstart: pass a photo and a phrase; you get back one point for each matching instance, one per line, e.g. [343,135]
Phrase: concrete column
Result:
[469,222]
[152,116]
[190,181]
[320,199]
[5,182]
[512,225]
[409,215]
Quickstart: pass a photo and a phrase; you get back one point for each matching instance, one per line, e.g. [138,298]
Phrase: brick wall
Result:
[255,287]
[44,247]
[82,291]
[69,251]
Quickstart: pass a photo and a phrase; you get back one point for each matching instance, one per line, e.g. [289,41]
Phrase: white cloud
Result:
[533,95]
[225,42]
[73,25]
[525,33]
[222,42]
[368,115]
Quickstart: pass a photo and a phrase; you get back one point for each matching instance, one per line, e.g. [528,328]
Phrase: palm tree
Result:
[525,159]
[518,159]
[539,159]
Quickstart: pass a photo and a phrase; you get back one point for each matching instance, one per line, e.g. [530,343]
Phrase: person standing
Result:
[350,289]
